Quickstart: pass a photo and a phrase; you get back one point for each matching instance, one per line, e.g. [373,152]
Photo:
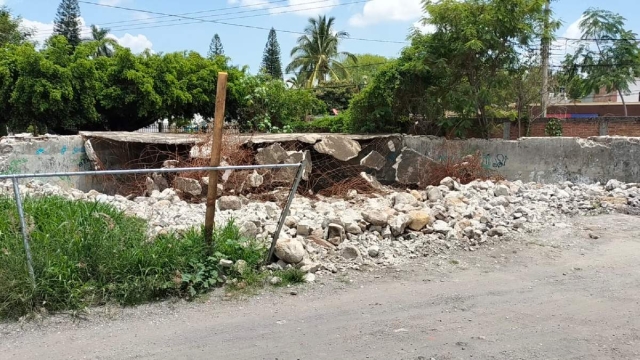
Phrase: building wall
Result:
[549,160]
[48,154]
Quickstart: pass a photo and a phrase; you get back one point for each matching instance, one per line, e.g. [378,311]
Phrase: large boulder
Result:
[290,251]
[340,147]
[399,224]
[373,161]
[295,157]
[273,154]
[188,186]
[411,167]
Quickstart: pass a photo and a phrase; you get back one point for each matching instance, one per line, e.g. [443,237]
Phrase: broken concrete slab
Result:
[373,161]
[411,166]
[273,154]
[340,147]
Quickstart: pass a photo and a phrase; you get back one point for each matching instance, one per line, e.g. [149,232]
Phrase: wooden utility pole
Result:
[545,59]
[216,147]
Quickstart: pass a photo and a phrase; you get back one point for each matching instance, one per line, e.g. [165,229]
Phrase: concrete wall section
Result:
[548,160]
[19,155]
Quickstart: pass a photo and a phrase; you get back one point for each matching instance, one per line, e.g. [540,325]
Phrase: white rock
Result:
[376,218]
[399,223]
[255,180]
[441,227]
[350,252]
[374,251]
[501,190]
[309,278]
[229,203]
[290,251]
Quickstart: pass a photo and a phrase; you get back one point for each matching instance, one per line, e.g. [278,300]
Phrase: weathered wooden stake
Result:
[216,146]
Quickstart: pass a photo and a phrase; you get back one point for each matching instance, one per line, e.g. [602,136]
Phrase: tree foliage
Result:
[316,56]
[11,29]
[67,22]
[106,45]
[271,63]
[364,67]
[610,56]
[215,48]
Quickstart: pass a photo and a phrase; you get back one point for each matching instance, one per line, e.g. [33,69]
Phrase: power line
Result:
[202,12]
[240,12]
[227,23]
[180,22]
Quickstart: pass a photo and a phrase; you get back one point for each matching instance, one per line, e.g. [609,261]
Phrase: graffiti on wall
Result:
[494,161]
[14,167]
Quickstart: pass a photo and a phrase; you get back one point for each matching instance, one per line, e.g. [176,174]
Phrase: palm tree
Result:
[297,81]
[106,44]
[316,56]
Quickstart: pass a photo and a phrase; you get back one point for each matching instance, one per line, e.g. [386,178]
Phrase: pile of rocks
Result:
[330,234]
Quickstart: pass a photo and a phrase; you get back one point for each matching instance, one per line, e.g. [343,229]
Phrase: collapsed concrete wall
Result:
[549,160]
[27,154]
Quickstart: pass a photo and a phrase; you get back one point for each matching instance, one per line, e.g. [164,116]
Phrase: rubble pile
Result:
[330,234]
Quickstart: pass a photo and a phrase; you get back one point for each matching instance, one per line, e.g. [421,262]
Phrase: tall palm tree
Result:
[106,45]
[316,54]
[297,81]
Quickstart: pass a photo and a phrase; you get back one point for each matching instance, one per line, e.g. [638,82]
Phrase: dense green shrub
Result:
[340,123]
[553,127]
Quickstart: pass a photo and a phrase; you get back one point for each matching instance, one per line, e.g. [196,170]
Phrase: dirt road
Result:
[557,295]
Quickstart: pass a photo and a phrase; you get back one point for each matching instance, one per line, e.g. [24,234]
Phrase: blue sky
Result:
[388,20]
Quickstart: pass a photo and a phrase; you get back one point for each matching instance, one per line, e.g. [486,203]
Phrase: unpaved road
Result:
[556,295]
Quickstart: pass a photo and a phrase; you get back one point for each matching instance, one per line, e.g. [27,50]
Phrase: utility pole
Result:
[545,59]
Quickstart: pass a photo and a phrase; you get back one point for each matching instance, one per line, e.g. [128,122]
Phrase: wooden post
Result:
[216,146]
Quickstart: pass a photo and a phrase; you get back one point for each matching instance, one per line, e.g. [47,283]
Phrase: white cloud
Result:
[260,4]
[137,43]
[308,7]
[377,11]
[296,7]
[425,29]
[42,31]
[563,46]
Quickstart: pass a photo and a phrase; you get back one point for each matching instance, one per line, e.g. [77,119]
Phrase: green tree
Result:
[215,48]
[106,45]
[316,55]
[615,61]
[11,29]
[478,62]
[362,71]
[271,63]
[67,22]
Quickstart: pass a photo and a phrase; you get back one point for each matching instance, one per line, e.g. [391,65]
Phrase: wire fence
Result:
[25,235]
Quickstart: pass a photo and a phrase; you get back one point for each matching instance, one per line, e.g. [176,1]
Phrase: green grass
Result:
[89,254]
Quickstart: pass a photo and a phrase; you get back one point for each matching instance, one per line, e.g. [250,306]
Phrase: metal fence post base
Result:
[25,235]
[285,211]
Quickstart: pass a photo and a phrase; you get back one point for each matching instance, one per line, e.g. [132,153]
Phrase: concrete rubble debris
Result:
[255,180]
[188,186]
[373,161]
[327,235]
[273,154]
[411,167]
[340,147]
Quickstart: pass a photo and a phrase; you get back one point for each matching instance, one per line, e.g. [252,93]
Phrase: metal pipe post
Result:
[25,236]
[285,211]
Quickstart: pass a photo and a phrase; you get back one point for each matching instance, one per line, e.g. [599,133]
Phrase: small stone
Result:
[417,195]
[188,186]
[399,224]
[241,266]
[225,263]
[275,280]
[291,221]
[448,182]
[304,228]
[434,194]
[497,231]
[419,219]
[594,236]
[376,218]
[501,190]
[350,252]
[309,278]
[441,227]
[374,251]
[352,194]
[336,231]
[229,203]
[353,228]
[255,180]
